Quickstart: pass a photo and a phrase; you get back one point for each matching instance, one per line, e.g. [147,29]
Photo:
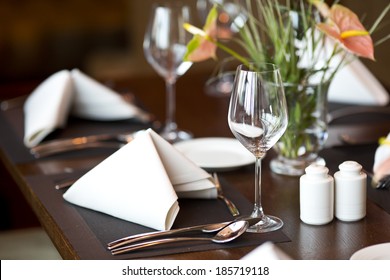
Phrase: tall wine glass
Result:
[258,118]
[164,47]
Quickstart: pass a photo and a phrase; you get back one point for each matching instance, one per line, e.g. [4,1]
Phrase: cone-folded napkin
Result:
[72,92]
[141,183]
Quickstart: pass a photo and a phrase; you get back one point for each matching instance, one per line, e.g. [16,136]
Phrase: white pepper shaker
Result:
[350,192]
[316,195]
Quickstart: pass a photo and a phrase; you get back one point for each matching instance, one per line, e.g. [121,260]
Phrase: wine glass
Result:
[165,44]
[258,118]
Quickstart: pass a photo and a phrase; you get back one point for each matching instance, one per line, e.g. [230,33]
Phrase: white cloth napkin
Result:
[141,183]
[72,92]
[95,101]
[266,251]
[47,107]
[382,159]
[355,84]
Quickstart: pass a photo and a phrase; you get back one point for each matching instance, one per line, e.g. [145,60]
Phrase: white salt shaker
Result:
[350,192]
[316,195]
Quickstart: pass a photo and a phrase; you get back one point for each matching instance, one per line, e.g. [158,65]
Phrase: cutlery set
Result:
[225,232]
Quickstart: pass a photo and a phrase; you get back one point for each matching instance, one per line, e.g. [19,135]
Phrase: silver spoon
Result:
[227,234]
[208,228]
[142,236]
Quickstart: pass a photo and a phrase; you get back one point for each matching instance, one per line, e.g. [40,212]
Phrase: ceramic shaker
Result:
[316,195]
[350,192]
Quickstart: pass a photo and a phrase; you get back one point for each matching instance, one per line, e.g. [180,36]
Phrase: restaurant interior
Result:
[104,40]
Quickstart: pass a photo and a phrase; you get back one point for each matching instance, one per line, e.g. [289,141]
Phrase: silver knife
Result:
[91,141]
[208,228]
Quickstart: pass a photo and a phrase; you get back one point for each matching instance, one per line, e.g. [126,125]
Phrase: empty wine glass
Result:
[258,118]
[164,46]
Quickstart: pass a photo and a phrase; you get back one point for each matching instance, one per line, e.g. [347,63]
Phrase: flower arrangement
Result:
[309,41]
[288,35]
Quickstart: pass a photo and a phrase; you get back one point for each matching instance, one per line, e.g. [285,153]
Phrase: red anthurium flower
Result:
[344,26]
[203,44]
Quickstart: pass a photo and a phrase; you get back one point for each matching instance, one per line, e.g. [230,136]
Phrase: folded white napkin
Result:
[98,102]
[48,106]
[382,159]
[141,183]
[266,251]
[355,84]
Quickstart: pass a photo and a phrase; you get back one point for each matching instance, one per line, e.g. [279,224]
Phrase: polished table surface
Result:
[204,116]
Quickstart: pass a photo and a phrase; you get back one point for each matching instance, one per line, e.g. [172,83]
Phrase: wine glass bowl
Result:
[257,117]
[165,43]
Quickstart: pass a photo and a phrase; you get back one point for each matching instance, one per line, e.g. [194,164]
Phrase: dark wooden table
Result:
[204,116]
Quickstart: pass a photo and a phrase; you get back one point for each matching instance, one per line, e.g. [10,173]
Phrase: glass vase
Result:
[306,131]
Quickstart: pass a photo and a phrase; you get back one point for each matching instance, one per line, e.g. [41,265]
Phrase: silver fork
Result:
[231,206]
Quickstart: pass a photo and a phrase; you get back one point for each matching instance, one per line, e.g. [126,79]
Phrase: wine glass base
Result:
[174,136]
[267,224]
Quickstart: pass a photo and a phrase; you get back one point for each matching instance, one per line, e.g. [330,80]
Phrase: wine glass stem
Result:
[258,209]
[170,123]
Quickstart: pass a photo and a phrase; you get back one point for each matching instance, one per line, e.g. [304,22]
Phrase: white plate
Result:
[374,252]
[216,153]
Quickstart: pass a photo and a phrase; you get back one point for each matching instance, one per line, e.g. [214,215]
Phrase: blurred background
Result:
[104,38]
